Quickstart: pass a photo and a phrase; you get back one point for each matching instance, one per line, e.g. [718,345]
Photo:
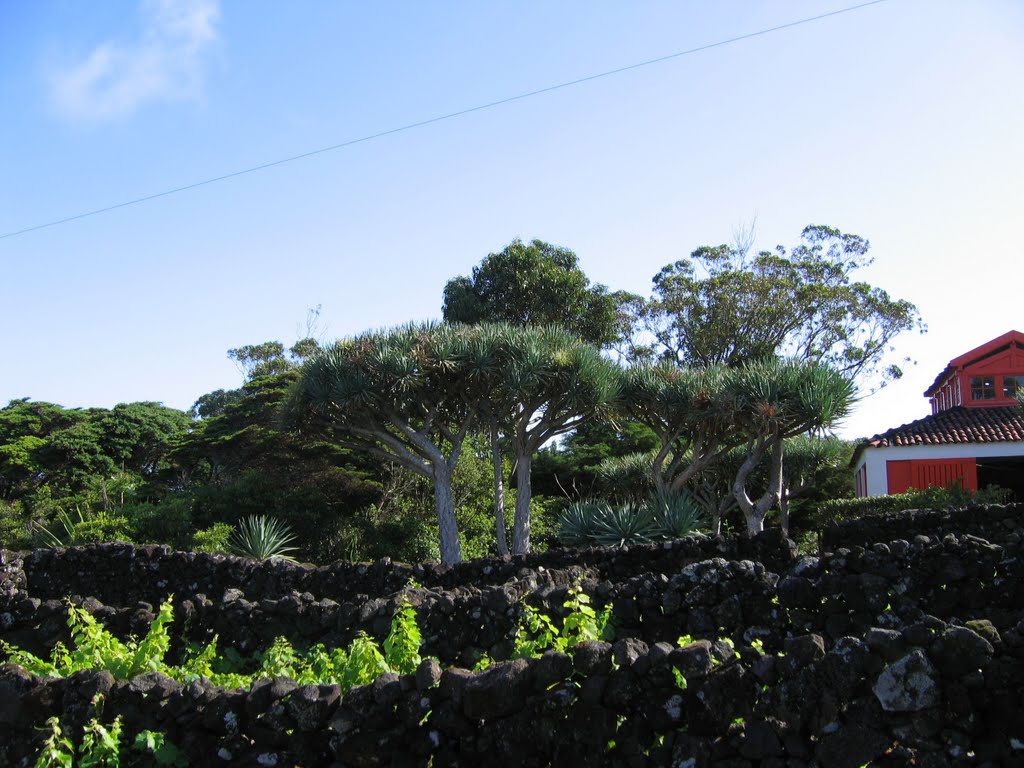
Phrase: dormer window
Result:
[983,388]
[1012,385]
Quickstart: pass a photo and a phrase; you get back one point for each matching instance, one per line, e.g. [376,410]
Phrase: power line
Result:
[440,118]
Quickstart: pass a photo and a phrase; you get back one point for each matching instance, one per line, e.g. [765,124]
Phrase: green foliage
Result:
[619,525]
[57,751]
[94,647]
[680,679]
[578,523]
[168,521]
[675,514]
[576,466]
[726,306]
[101,745]
[534,284]
[953,496]
[240,461]
[261,538]
[68,530]
[402,645]
[537,632]
[16,528]
[691,412]
[216,538]
[159,749]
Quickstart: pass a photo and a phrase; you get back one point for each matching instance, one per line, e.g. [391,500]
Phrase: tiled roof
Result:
[958,425]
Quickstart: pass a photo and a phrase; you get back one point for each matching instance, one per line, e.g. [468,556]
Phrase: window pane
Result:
[1011,384]
[983,388]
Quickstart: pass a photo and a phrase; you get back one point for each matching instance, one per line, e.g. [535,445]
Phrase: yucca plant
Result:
[260,538]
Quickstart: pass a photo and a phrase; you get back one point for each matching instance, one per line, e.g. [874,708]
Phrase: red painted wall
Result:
[907,474]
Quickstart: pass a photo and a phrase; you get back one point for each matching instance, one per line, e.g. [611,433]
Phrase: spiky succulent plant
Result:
[260,538]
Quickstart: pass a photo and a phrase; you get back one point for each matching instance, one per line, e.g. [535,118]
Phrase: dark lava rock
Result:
[552,667]
[986,629]
[851,747]
[498,691]
[311,705]
[428,673]
[693,660]
[887,643]
[847,665]
[593,657]
[626,651]
[154,685]
[958,651]
[805,649]
[266,691]
[759,740]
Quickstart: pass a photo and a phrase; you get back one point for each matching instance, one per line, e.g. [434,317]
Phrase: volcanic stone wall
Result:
[995,522]
[904,650]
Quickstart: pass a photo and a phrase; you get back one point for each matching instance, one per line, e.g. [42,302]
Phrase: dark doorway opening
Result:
[1006,472]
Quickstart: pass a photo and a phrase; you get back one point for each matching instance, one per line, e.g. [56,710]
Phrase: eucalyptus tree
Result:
[725,305]
[541,382]
[773,400]
[535,283]
[401,394]
[690,411]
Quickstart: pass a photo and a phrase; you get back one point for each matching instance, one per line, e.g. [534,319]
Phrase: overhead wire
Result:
[441,118]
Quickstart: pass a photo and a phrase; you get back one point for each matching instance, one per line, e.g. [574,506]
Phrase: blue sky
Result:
[901,122]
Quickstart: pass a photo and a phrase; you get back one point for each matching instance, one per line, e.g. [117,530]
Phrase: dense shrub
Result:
[953,496]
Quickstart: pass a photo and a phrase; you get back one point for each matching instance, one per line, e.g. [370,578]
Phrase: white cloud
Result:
[164,64]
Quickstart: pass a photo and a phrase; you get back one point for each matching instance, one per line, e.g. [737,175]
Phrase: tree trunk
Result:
[784,510]
[754,512]
[499,492]
[521,531]
[444,502]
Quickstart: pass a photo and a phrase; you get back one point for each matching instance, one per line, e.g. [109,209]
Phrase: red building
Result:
[975,434]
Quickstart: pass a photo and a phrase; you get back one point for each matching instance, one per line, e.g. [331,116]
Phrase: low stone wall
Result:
[906,651]
[994,522]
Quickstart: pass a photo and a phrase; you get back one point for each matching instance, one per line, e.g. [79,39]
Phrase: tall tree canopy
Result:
[774,400]
[533,384]
[535,284]
[42,444]
[691,412]
[400,394]
[723,306]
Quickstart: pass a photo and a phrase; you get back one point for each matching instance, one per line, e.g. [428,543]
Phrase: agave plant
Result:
[625,524]
[260,538]
[661,516]
[607,525]
[675,514]
[577,525]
